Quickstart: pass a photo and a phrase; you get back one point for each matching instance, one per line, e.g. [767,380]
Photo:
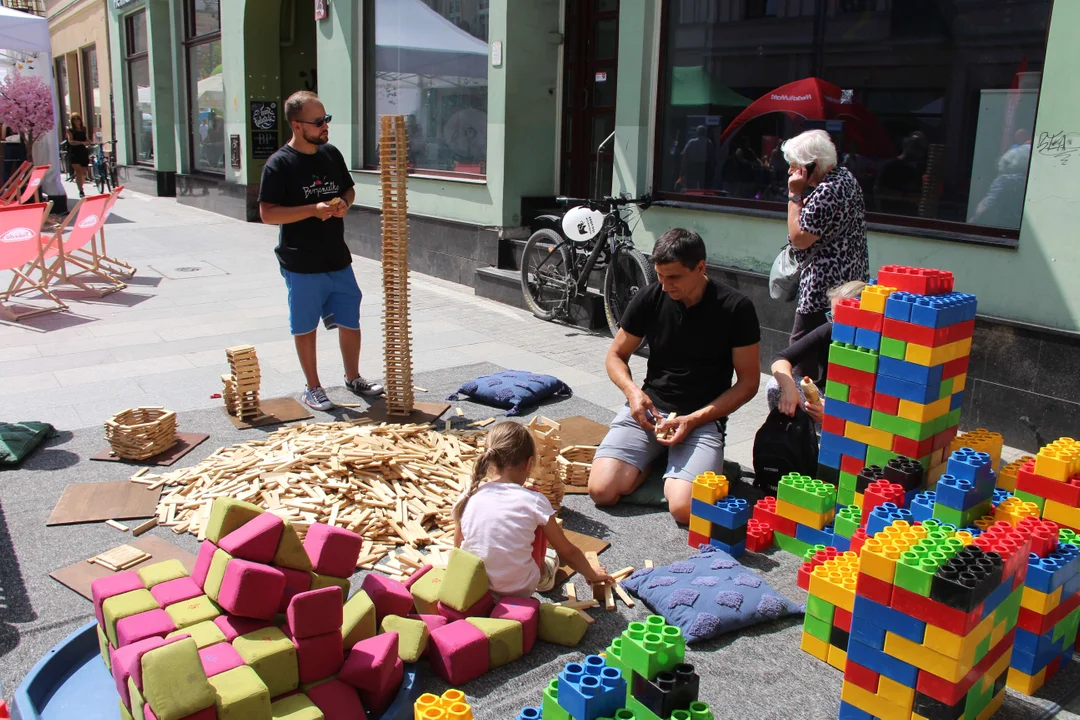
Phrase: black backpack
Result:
[782,445]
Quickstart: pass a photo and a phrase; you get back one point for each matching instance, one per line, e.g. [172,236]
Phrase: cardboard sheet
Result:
[185,443]
[98,502]
[82,574]
[585,543]
[423,412]
[578,430]
[274,412]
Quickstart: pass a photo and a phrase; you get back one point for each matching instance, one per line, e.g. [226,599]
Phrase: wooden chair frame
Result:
[24,281]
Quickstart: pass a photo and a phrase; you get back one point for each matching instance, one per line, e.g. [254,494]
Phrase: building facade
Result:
[79,31]
[954,115]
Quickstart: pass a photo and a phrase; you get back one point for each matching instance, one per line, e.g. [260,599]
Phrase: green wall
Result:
[1036,283]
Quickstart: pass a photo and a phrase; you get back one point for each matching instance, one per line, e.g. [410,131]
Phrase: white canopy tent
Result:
[29,35]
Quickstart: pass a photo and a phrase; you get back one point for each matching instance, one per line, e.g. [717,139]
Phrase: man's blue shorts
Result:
[334,296]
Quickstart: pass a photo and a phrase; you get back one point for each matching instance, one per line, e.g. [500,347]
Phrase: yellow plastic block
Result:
[816,647]
[804,516]
[700,525]
[837,658]
[1006,479]
[997,634]
[957,646]
[922,657]
[894,692]
[450,706]
[873,298]
[858,502]
[879,559]
[996,669]
[965,537]
[1040,602]
[936,471]
[1062,514]
[1021,682]
[930,356]
[993,707]
[709,487]
[869,435]
[958,384]
[1059,460]
[834,581]
[1013,510]
[919,413]
[873,704]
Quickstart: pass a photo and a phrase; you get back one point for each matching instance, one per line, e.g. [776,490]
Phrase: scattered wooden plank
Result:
[118,526]
[571,591]
[623,595]
[648,563]
[148,525]
[482,423]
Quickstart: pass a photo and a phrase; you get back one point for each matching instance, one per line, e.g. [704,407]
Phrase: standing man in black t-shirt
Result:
[307,189]
[699,333]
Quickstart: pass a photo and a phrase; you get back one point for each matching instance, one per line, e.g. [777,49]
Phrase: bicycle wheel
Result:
[546,279]
[626,275]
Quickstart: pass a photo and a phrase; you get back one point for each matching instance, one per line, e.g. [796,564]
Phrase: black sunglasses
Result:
[320,122]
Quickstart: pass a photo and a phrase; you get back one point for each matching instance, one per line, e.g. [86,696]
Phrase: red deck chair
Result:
[97,255]
[62,254]
[22,253]
[32,189]
[10,190]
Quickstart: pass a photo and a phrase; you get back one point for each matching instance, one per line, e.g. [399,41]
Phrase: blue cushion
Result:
[709,594]
[514,390]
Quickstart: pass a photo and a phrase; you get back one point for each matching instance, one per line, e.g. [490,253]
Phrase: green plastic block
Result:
[818,628]
[561,625]
[813,550]
[425,591]
[227,515]
[296,707]
[652,646]
[806,492]
[465,581]
[204,633]
[138,702]
[853,357]
[318,582]
[640,711]
[790,544]
[847,520]
[125,605]
[845,496]
[902,426]
[174,682]
[290,551]
[359,615]
[915,573]
[613,657]
[878,456]
[953,418]
[961,518]
[241,695]
[697,711]
[1009,610]
[216,574]
[549,706]
[837,390]
[158,573]
[893,348]
[413,636]
[505,639]
[272,655]
[1067,536]
[103,647]
[848,481]
[821,609]
[186,613]
[1028,497]
[945,389]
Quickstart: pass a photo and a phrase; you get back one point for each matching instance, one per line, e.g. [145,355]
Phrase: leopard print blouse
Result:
[835,212]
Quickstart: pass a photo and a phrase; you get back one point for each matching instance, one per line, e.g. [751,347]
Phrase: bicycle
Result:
[102,168]
[555,270]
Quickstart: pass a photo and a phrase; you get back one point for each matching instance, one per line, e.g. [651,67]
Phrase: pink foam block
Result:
[175,591]
[256,540]
[251,590]
[333,550]
[337,701]
[379,698]
[234,627]
[458,652]
[127,663]
[370,663]
[433,622]
[209,713]
[296,581]
[318,657]
[526,611]
[389,596]
[417,575]
[152,623]
[315,612]
[218,658]
[481,608]
[202,563]
[104,588]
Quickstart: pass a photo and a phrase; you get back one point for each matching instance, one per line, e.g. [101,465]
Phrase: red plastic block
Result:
[874,588]
[959,366]
[861,397]
[315,612]
[803,578]
[333,550]
[1033,622]
[848,312]
[857,540]
[696,540]
[219,658]
[835,425]
[886,404]
[256,540]
[880,492]
[1044,534]
[921,281]
[910,448]
[943,439]
[1053,667]
[951,693]
[926,336]
[851,377]
[935,613]
[1067,493]
[337,700]
[759,535]
[765,511]
[525,610]
[842,619]
[863,677]
[850,465]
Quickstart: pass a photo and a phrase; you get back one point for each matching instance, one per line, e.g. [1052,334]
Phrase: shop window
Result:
[931,104]
[63,89]
[91,92]
[141,112]
[431,67]
[206,87]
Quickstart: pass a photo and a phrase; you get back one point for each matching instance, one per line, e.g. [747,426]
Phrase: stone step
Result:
[504,285]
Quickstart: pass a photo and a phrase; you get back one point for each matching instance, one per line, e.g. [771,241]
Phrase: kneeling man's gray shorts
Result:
[700,452]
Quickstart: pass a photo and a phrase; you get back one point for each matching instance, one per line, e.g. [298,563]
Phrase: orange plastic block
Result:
[1006,479]
[834,580]
[1059,460]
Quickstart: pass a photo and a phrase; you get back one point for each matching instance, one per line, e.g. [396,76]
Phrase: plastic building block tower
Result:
[831,582]
[716,519]
[1051,480]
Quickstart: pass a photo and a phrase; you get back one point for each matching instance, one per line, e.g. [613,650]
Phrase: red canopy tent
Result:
[815,99]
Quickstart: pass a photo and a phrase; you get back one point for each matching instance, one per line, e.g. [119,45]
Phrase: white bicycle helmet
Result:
[582,224]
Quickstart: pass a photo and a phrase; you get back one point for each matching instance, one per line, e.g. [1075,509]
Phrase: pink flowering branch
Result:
[26,107]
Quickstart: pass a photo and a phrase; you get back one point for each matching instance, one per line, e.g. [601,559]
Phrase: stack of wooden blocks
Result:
[393,163]
[546,478]
[141,433]
[241,390]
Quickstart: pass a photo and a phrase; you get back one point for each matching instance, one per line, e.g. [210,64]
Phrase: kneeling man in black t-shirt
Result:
[699,333]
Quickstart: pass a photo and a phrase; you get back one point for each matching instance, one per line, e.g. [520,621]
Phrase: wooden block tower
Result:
[545,478]
[241,391]
[393,163]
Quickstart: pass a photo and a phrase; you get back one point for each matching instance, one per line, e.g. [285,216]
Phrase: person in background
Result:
[811,353]
[698,158]
[1004,201]
[78,153]
[826,226]
[900,182]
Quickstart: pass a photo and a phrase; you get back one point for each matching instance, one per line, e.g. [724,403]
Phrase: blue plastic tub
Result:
[71,681]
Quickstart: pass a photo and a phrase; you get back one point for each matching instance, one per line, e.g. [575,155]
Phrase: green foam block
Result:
[241,695]
[318,582]
[412,636]
[125,714]
[425,591]
[138,702]
[296,707]
[273,656]
[204,633]
[505,639]
[561,625]
[174,682]
[465,581]
[216,574]
[359,616]
[125,605]
[103,647]
[158,573]
[187,613]
[290,551]
[227,515]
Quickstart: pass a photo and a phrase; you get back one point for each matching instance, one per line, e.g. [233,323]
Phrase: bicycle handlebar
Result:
[606,204]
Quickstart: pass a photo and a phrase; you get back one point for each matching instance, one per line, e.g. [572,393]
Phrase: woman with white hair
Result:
[826,226]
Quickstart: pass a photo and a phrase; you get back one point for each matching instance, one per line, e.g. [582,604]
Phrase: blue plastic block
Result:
[1032,663]
[866,632]
[1032,644]
[841,543]
[922,505]
[876,660]
[1071,586]
[892,620]
[909,371]
[971,465]
[530,713]
[731,513]
[957,493]
[735,550]
[847,411]
[829,458]
[909,497]
[844,333]
[905,390]
[815,537]
[885,515]
[1000,496]
[868,339]
[898,306]
[1049,573]
[850,712]
[591,689]
[943,310]
[841,445]
[999,595]
[957,401]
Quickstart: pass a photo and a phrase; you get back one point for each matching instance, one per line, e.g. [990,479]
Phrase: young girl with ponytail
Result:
[498,520]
